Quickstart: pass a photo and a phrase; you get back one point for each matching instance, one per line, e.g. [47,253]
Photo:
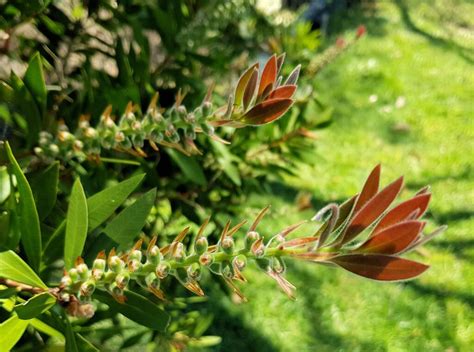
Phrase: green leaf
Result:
[35,306]
[14,268]
[46,329]
[45,188]
[129,222]
[34,81]
[76,225]
[29,225]
[5,187]
[103,204]
[138,309]
[225,159]
[190,167]
[12,329]
[71,344]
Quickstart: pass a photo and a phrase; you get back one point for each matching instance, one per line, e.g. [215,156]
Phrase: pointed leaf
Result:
[393,239]
[12,267]
[403,210]
[380,267]
[45,188]
[250,88]
[137,308]
[294,75]
[283,92]
[345,211]
[370,189]
[29,224]
[372,210]
[267,111]
[128,223]
[242,84]
[280,61]
[191,169]
[35,306]
[34,81]
[76,225]
[269,74]
[103,204]
[12,329]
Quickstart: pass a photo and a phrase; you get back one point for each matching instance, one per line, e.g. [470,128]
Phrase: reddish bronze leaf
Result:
[267,111]
[269,74]
[393,239]
[380,267]
[250,88]
[283,92]
[372,210]
[370,189]
[280,60]
[345,211]
[242,84]
[402,211]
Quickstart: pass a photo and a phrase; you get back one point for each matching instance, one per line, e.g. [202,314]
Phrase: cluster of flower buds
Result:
[257,99]
[392,232]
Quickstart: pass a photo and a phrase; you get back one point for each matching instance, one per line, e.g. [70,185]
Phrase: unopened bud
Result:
[99,264]
[181,110]
[201,245]
[194,271]
[162,270]
[87,288]
[206,108]
[227,245]
[178,252]
[240,262]
[83,271]
[250,238]
[135,255]
[122,279]
[154,255]
[73,274]
[116,264]
[206,259]
[152,281]
[66,281]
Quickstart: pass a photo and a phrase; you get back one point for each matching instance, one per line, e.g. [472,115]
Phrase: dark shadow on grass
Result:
[437,41]
[460,248]
[464,173]
[441,294]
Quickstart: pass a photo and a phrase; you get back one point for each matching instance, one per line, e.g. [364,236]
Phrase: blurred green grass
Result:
[421,57]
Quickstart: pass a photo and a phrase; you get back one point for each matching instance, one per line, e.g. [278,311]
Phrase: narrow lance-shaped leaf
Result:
[103,204]
[370,189]
[250,89]
[45,188]
[242,84]
[403,210]
[393,239]
[283,92]
[34,81]
[267,111]
[268,75]
[138,309]
[12,267]
[76,225]
[372,210]
[35,306]
[190,167]
[12,329]
[380,267]
[294,75]
[29,224]
[129,222]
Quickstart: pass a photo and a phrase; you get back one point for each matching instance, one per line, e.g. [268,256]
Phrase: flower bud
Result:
[201,245]
[181,110]
[99,264]
[74,275]
[240,262]
[66,281]
[250,238]
[227,271]
[116,264]
[97,274]
[227,245]
[194,272]
[87,288]
[115,290]
[177,252]
[83,271]
[152,281]
[154,255]
[206,259]
[162,270]
[122,279]
[135,255]
[206,108]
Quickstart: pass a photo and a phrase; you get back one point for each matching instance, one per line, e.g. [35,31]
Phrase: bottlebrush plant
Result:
[365,235]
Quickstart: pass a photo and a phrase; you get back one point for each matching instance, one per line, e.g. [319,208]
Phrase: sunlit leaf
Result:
[76,225]
[266,111]
[242,84]
[35,306]
[372,210]
[380,267]
[11,331]
[14,268]
[29,224]
[370,189]
[250,89]
[282,92]
[393,239]
[269,74]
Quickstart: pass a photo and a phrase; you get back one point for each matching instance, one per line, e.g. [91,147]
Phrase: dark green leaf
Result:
[190,167]
[103,204]
[45,187]
[138,309]
[35,306]
[34,81]
[29,225]
[76,225]
[129,222]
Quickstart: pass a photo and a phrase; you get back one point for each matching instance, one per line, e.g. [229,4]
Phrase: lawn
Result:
[402,97]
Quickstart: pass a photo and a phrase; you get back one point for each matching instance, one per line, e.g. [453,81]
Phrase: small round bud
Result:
[99,264]
[206,108]
[83,271]
[54,149]
[115,290]
[74,275]
[154,255]
[97,274]
[206,259]
[162,270]
[78,145]
[122,279]
[201,245]
[152,281]
[227,245]
[181,110]
[87,288]
[227,271]
[194,272]
[116,264]
[190,118]
[135,255]
[250,238]
[240,262]
[178,252]
[66,281]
